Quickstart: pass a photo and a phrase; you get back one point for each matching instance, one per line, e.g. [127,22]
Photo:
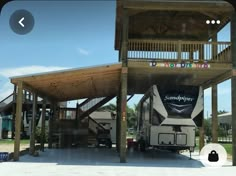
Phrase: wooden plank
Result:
[70,78]
[217,79]
[201,138]
[214,114]
[233,87]
[180,6]
[233,94]
[118,122]
[38,91]
[42,135]
[18,121]
[33,125]
[50,128]
[123,116]
[68,73]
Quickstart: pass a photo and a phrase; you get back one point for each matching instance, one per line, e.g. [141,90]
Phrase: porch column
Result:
[33,125]
[118,122]
[13,113]
[53,109]
[123,119]
[214,114]
[18,119]
[233,86]
[42,135]
[201,137]
[123,88]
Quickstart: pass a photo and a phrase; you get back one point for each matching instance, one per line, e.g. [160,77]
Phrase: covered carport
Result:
[65,85]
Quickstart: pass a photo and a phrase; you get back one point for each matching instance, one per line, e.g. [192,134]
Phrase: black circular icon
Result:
[21,22]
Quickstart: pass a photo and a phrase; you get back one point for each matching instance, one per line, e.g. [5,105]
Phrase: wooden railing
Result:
[193,51]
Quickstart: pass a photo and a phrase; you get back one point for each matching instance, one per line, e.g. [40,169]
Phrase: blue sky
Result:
[69,35]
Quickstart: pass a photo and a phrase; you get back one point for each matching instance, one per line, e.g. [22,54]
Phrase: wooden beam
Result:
[13,112]
[118,123]
[125,37]
[33,125]
[180,6]
[42,136]
[214,114]
[218,79]
[123,114]
[18,118]
[38,92]
[72,73]
[50,127]
[233,86]
[233,95]
[95,107]
[201,136]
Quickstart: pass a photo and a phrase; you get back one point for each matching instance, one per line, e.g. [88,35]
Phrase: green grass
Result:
[228,148]
[10,141]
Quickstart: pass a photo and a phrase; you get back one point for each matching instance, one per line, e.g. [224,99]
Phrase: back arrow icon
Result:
[20,22]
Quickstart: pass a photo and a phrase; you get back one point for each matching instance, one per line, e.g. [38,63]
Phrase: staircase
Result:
[93,127]
[6,103]
[91,105]
[83,131]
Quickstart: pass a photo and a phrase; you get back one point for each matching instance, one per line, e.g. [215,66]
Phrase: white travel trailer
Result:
[168,117]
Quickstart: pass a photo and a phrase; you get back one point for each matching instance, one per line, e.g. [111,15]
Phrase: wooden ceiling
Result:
[103,81]
[141,76]
[172,20]
[65,85]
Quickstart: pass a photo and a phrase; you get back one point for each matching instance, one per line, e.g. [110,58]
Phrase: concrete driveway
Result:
[103,161]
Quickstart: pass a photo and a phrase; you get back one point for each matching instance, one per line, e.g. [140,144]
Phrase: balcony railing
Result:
[177,51]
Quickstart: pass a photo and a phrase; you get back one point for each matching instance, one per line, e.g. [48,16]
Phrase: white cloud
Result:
[83,51]
[10,72]
[6,88]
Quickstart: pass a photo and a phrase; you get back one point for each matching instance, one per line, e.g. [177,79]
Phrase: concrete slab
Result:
[103,161]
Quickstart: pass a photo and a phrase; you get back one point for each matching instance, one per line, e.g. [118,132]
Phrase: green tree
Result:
[132,117]
[131,114]
[109,107]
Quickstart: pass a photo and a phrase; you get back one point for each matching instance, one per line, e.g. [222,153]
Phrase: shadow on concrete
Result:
[109,157]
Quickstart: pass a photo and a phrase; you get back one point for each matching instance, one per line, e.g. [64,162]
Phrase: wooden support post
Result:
[53,109]
[233,89]
[124,42]
[33,125]
[42,136]
[201,133]
[233,86]
[18,121]
[179,51]
[13,113]
[123,114]
[118,123]
[214,47]
[201,138]
[191,56]
[214,114]
[123,87]
[201,53]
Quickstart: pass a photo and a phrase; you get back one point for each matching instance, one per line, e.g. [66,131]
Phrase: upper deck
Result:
[171,20]
[170,42]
